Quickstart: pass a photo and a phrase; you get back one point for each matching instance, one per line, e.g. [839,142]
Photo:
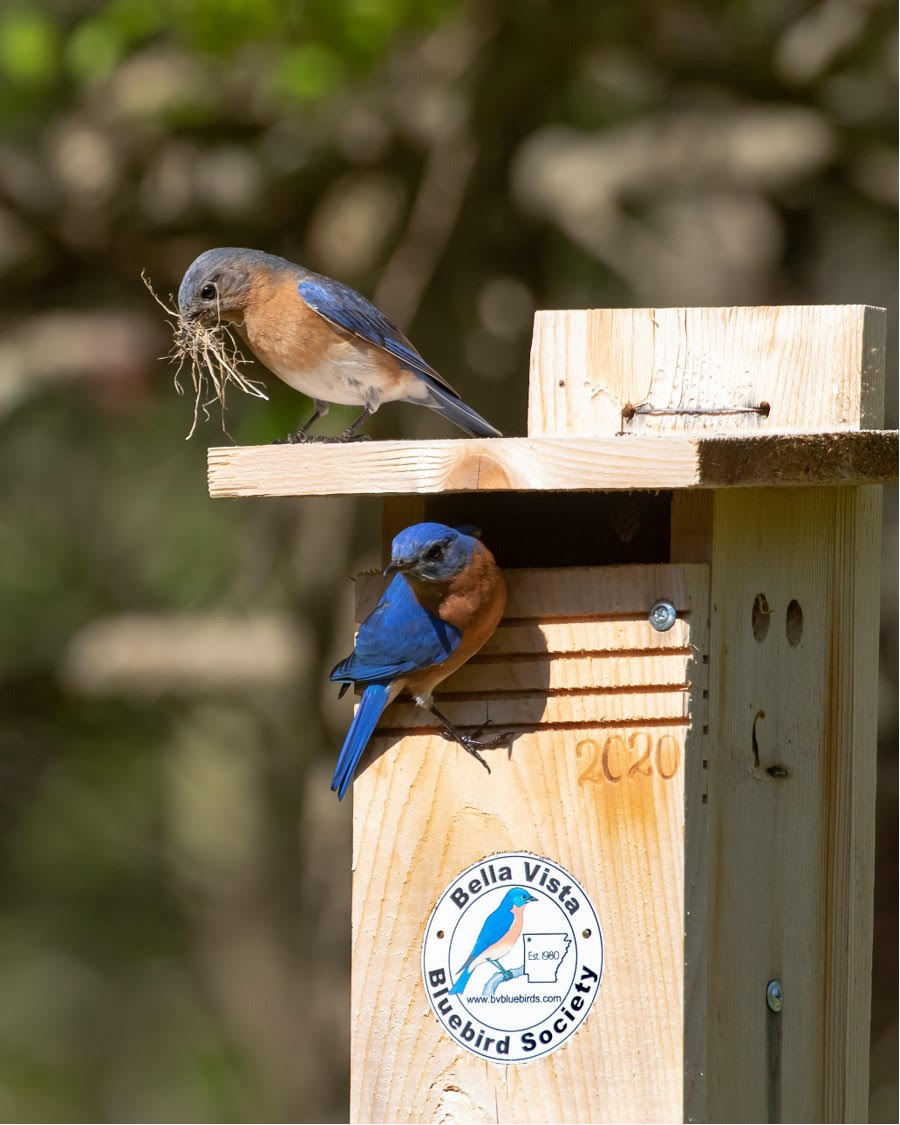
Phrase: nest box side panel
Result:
[793,710]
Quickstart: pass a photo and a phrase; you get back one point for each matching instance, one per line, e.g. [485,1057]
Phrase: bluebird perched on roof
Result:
[321,337]
[501,930]
[444,601]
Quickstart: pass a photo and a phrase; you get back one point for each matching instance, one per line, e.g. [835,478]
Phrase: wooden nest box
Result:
[709,785]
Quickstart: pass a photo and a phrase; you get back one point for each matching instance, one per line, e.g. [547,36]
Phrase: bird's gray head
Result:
[431,552]
[218,284]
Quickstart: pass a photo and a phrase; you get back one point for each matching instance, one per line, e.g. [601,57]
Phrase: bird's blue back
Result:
[495,926]
[397,637]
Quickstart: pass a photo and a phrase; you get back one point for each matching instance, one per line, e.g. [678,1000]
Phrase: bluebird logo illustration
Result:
[512,957]
[499,935]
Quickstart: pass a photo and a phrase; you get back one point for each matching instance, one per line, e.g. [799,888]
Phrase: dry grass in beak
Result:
[212,355]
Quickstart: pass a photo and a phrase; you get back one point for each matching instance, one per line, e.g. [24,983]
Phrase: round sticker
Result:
[512,957]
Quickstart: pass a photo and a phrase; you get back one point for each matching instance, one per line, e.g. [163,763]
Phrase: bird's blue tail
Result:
[373,702]
[446,404]
[461,981]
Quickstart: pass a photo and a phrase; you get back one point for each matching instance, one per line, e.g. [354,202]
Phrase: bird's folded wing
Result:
[495,927]
[397,637]
[351,311]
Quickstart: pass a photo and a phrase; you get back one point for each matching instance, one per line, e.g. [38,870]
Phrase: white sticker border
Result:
[438,994]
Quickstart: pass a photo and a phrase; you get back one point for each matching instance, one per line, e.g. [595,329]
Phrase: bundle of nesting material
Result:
[211,354]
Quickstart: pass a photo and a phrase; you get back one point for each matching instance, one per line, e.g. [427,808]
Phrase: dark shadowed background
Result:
[174,880]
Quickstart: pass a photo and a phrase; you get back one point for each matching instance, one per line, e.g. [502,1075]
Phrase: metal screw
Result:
[774,996]
[662,615]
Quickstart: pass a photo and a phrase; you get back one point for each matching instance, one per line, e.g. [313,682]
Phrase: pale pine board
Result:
[578,464]
[546,709]
[588,637]
[424,810]
[690,539]
[793,861]
[819,367]
[560,673]
[579,595]
[454,465]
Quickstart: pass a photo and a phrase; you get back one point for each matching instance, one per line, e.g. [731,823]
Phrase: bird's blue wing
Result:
[351,311]
[397,637]
[495,926]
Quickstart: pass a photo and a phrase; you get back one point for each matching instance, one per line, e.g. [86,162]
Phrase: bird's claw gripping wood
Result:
[303,438]
[470,745]
[473,742]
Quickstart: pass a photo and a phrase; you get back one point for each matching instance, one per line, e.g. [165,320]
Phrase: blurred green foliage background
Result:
[174,889]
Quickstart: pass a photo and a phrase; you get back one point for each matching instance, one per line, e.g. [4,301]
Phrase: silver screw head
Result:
[662,615]
[774,996]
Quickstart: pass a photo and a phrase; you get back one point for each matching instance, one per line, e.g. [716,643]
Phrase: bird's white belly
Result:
[350,378]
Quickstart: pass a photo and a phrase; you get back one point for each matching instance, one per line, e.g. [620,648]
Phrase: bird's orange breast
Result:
[472,602]
[283,331]
[515,930]
[315,356]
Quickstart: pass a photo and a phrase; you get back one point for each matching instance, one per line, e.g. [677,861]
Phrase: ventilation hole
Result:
[759,618]
[794,622]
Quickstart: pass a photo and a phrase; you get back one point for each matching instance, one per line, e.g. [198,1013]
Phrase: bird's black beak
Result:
[398,566]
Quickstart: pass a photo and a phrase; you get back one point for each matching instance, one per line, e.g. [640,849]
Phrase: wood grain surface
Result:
[815,367]
[793,706]
[660,461]
[600,791]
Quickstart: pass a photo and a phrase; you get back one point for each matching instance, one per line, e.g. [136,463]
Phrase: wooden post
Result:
[709,788]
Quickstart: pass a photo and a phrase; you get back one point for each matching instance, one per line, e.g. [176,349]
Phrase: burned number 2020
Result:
[622,757]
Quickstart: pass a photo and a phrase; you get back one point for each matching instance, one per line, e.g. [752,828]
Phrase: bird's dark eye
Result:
[208,291]
[435,552]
